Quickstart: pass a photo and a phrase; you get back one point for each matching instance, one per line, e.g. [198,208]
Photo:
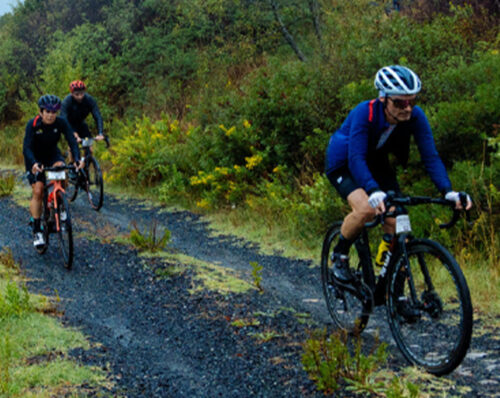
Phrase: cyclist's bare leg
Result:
[36,200]
[361,213]
[352,226]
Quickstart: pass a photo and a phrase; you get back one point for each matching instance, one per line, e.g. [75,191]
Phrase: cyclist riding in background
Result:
[357,162]
[40,150]
[75,109]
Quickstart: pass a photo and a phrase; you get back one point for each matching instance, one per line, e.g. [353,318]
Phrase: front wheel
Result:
[65,231]
[349,306]
[95,189]
[72,187]
[429,307]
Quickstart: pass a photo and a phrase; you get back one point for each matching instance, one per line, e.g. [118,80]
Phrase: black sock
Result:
[343,245]
[36,225]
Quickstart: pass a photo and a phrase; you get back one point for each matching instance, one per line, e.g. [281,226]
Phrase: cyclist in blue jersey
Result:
[357,162]
[77,106]
[40,149]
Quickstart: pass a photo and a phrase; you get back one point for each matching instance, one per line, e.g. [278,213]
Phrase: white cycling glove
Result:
[455,196]
[375,198]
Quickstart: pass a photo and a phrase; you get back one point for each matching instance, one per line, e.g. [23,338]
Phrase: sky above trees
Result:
[6,6]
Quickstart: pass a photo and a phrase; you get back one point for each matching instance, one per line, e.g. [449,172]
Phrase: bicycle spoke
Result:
[95,184]
[429,308]
[349,307]
[65,232]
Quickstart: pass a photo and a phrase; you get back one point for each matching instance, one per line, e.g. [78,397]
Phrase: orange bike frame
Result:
[52,198]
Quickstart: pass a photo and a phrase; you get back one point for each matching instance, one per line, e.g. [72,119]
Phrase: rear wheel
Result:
[95,189]
[349,305]
[65,231]
[429,307]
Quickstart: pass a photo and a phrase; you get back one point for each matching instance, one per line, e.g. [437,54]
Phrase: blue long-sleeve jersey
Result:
[355,142]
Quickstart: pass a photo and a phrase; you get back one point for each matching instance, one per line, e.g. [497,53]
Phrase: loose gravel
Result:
[157,336]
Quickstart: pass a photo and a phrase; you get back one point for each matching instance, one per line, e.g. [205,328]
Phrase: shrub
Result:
[7,184]
[149,240]
[144,151]
[333,362]
[14,301]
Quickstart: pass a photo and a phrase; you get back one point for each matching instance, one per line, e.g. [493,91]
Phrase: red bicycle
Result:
[55,213]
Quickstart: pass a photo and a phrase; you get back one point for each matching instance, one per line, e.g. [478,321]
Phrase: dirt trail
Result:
[160,336]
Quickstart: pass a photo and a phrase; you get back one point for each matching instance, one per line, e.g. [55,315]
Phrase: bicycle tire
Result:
[95,189]
[65,232]
[72,189]
[433,327]
[348,308]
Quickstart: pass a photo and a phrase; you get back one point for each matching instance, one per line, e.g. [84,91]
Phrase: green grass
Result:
[34,360]
[207,275]
[273,236]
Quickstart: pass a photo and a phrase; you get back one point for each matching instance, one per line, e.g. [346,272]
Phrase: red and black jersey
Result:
[40,141]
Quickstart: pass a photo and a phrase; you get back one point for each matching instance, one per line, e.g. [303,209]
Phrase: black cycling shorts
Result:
[344,182]
[82,129]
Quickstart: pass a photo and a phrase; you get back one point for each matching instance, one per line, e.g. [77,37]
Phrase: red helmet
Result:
[77,85]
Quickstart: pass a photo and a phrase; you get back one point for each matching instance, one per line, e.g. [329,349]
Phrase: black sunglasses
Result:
[403,104]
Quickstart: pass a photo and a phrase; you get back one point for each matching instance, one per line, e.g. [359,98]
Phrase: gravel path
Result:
[159,338]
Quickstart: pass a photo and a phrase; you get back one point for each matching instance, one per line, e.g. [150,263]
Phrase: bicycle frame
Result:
[398,245]
[410,285]
[53,188]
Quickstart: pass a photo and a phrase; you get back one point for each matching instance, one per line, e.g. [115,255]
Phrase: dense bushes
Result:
[206,103]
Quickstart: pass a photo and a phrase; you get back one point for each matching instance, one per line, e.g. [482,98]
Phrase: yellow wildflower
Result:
[253,161]
[203,204]
[230,131]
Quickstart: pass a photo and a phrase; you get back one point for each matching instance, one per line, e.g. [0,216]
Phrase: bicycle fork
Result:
[403,267]
[52,201]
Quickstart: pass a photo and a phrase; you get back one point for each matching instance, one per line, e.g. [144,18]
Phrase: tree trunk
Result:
[286,33]
[314,8]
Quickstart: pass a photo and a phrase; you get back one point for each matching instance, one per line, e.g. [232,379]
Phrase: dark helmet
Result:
[77,85]
[49,102]
[397,80]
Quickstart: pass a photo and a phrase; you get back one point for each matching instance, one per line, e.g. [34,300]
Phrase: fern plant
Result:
[149,241]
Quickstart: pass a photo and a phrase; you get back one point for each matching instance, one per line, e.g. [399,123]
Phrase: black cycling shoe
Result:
[341,271]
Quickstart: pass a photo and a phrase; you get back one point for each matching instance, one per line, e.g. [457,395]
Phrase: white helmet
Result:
[397,80]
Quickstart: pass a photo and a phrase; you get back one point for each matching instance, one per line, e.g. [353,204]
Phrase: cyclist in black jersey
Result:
[77,106]
[40,149]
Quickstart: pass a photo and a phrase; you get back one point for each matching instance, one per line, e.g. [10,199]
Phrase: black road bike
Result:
[427,299]
[56,217]
[89,178]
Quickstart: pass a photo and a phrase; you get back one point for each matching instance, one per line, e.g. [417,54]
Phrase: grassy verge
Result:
[34,346]
[274,236]
[483,280]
